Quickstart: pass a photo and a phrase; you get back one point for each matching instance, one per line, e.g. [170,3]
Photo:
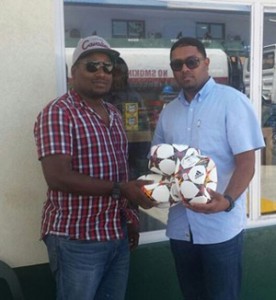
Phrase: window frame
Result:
[256,10]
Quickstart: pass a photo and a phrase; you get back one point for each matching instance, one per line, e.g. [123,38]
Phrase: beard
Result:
[95,94]
[192,85]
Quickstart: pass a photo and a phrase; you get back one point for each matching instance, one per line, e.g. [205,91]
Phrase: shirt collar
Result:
[201,94]
[77,99]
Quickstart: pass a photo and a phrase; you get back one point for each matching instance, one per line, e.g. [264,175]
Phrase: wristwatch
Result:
[116,191]
[231,203]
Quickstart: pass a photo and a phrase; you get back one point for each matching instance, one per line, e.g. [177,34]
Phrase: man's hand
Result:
[133,236]
[217,204]
[133,192]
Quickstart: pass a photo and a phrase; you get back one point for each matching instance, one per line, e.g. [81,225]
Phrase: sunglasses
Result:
[191,63]
[94,66]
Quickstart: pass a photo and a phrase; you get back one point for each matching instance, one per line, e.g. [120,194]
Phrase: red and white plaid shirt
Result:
[69,126]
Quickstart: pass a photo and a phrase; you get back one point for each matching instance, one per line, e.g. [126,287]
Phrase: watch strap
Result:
[116,191]
[231,203]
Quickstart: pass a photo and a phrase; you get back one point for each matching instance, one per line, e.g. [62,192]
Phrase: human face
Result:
[92,83]
[190,79]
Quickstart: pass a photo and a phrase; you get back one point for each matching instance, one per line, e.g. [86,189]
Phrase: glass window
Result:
[119,28]
[268,192]
[143,37]
[268,60]
[128,29]
[210,31]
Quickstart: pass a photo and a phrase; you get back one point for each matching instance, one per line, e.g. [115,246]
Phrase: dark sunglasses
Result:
[191,63]
[94,66]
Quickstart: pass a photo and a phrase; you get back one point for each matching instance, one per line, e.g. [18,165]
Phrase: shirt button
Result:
[187,236]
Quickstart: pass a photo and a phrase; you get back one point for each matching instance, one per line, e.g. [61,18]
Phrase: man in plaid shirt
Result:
[82,147]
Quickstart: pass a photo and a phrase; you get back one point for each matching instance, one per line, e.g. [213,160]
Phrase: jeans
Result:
[209,272]
[88,270]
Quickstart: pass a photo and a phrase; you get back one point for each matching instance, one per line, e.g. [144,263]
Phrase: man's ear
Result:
[73,70]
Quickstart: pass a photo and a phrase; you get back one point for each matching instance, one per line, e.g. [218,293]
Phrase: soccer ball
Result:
[164,157]
[194,174]
[163,190]
[153,177]
[174,192]
[180,173]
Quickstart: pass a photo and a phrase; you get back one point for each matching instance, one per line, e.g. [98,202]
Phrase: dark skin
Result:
[57,169]
[133,236]
[191,81]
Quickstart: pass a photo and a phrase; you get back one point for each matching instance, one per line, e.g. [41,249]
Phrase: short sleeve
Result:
[53,132]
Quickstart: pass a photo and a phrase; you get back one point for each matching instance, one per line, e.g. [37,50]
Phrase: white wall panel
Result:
[27,82]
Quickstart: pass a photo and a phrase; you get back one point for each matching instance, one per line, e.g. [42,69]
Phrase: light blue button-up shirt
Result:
[221,122]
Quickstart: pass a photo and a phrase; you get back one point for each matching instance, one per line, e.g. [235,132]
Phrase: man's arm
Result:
[244,172]
[58,173]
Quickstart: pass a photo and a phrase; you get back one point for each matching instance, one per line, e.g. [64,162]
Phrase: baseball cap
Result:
[91,44]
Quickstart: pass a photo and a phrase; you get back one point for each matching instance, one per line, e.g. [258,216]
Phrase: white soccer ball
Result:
[164,157]
[194,175]
[180,173]
[153,177]
[174,191]
[163,190]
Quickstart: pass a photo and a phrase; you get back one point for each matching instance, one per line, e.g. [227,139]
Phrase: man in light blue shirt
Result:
[206,239]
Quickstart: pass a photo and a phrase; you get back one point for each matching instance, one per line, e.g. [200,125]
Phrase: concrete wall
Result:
[27,82]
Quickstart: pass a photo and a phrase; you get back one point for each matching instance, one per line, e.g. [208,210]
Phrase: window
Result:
[75,33]
[268,194]
[210,31]
[268,60]
[146,48]
[128,29]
